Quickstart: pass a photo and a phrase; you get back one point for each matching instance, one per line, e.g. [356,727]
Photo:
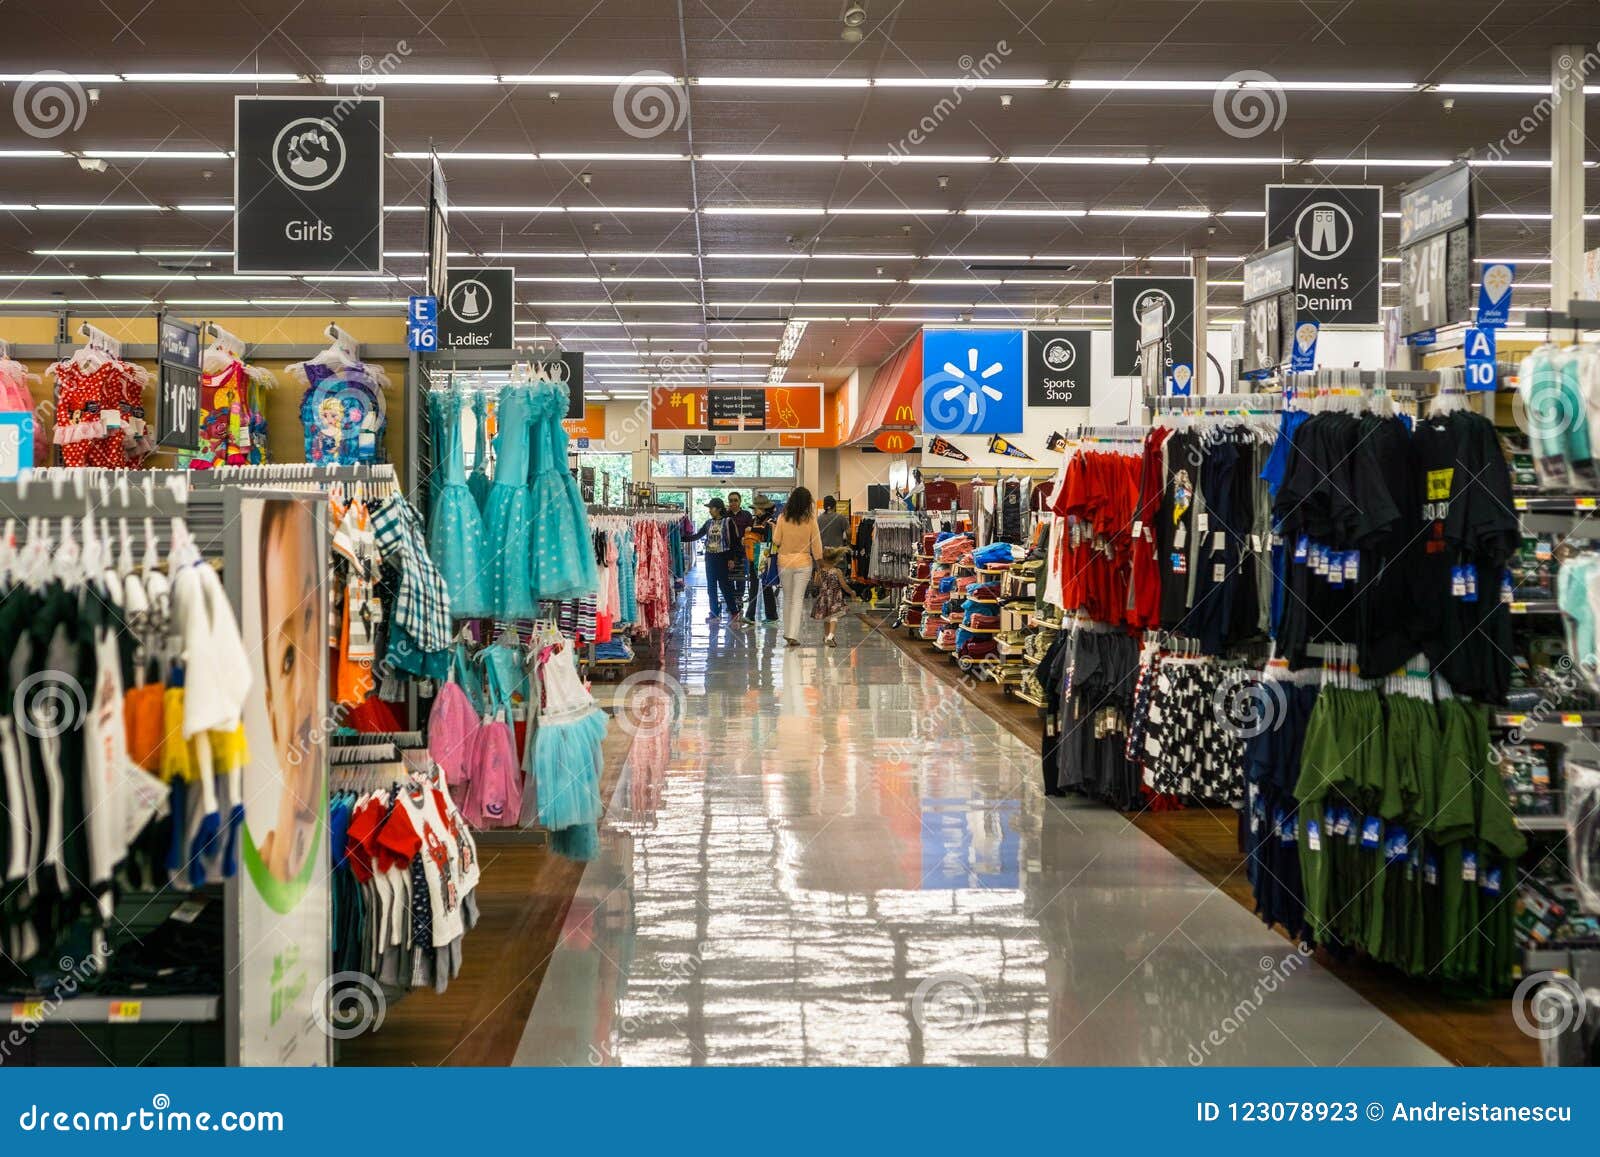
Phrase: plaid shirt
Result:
[423,604]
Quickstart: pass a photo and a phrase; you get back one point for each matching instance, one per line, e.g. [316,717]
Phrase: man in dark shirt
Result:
[741,519]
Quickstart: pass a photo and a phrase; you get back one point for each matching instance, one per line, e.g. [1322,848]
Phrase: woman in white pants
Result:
[798,545]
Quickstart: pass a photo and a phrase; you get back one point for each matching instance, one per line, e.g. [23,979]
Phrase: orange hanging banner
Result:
[591,426]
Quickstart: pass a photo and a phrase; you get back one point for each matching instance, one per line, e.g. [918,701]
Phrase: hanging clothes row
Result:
[405,869]
[528,540]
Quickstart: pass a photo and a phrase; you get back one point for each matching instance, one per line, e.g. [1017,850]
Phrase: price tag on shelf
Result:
[1515,720]
[125,1011]
[1584,503]
[1572,720]
[25,1010]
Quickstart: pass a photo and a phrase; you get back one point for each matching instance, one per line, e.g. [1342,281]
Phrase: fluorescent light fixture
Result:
[1334,85]
[1025,212]
[1492,89]
[782,82]
[1381,162]
[621,209]
[242,277]
[80,77]
[15,208]
[614,156]
[416,78]
[1150,85]
[855,211]
[214,78]
[102,207]
[412,208]
[851,280]
[20,153]
[752,281]
[1174,214]
[164,253]
[349,277]
[88,253]
[455,156]
[761,211]
[1252,213]
[375,302]
[783,158]
[147,277]
[1274,161]
[1051,281]
[44,277]
[953,281]
[922,158]
[580,78]
[159,154]
[1023,159]
[198,208]
[961,82]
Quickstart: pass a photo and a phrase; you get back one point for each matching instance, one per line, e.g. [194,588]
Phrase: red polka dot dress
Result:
[100,414]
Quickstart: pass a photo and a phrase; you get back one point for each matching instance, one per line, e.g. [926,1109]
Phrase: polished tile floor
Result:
[842,862]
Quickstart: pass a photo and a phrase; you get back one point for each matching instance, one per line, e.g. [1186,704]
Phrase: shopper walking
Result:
[758,549]
[741,519]
[799,546]
[832,595]
[833,526]
[724,556]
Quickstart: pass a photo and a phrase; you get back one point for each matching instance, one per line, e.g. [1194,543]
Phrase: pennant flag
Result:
[944,448]
[999,445]
[1056,441]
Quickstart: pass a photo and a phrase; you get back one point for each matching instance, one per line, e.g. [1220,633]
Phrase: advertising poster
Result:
[279,573]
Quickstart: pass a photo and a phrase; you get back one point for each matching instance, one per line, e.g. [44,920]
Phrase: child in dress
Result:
[831,598]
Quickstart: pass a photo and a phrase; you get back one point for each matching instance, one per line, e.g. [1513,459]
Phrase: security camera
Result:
[554,95]
[854,16]
[94,96]
[92,164]
[586,178]
[1449,104]
[1005,100]
[944,181]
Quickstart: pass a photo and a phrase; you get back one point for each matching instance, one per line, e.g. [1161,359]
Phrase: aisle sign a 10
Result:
[1482,371]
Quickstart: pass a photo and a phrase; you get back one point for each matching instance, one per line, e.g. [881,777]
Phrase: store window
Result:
[746,464]
[613,475]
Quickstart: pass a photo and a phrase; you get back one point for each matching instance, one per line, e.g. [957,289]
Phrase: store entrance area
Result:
[842,861]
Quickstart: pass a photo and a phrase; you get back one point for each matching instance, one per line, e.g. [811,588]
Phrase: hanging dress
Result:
[455,532]
[562,556]
[478,481]
[508,514]
[567,757]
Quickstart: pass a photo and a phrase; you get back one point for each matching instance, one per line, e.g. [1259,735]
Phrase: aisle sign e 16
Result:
[1481,372]
[422,324]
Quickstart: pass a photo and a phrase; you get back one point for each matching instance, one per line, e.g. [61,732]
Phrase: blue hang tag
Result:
[1491,881]
[1430,868]
[1470,573]
[1469,867]
[1302,548]
[1314,835]
[1371,832]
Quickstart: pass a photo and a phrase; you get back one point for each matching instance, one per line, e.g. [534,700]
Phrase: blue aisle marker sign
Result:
[1482,371]
[1494,295]
[722,465]
[1303,354]
[422,324]
[1182,380]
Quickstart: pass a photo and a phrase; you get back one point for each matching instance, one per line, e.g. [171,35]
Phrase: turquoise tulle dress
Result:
[508,517]
[478,481]
[562,564]
[567,758]
[455,530]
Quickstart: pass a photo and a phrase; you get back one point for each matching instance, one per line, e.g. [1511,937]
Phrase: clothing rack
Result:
[1122,433]
[291,473]
[1269,401]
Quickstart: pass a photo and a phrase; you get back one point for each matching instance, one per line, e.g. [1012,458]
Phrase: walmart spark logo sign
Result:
[972,381]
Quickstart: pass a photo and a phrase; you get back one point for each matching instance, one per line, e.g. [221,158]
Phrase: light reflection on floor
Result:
[840,861]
